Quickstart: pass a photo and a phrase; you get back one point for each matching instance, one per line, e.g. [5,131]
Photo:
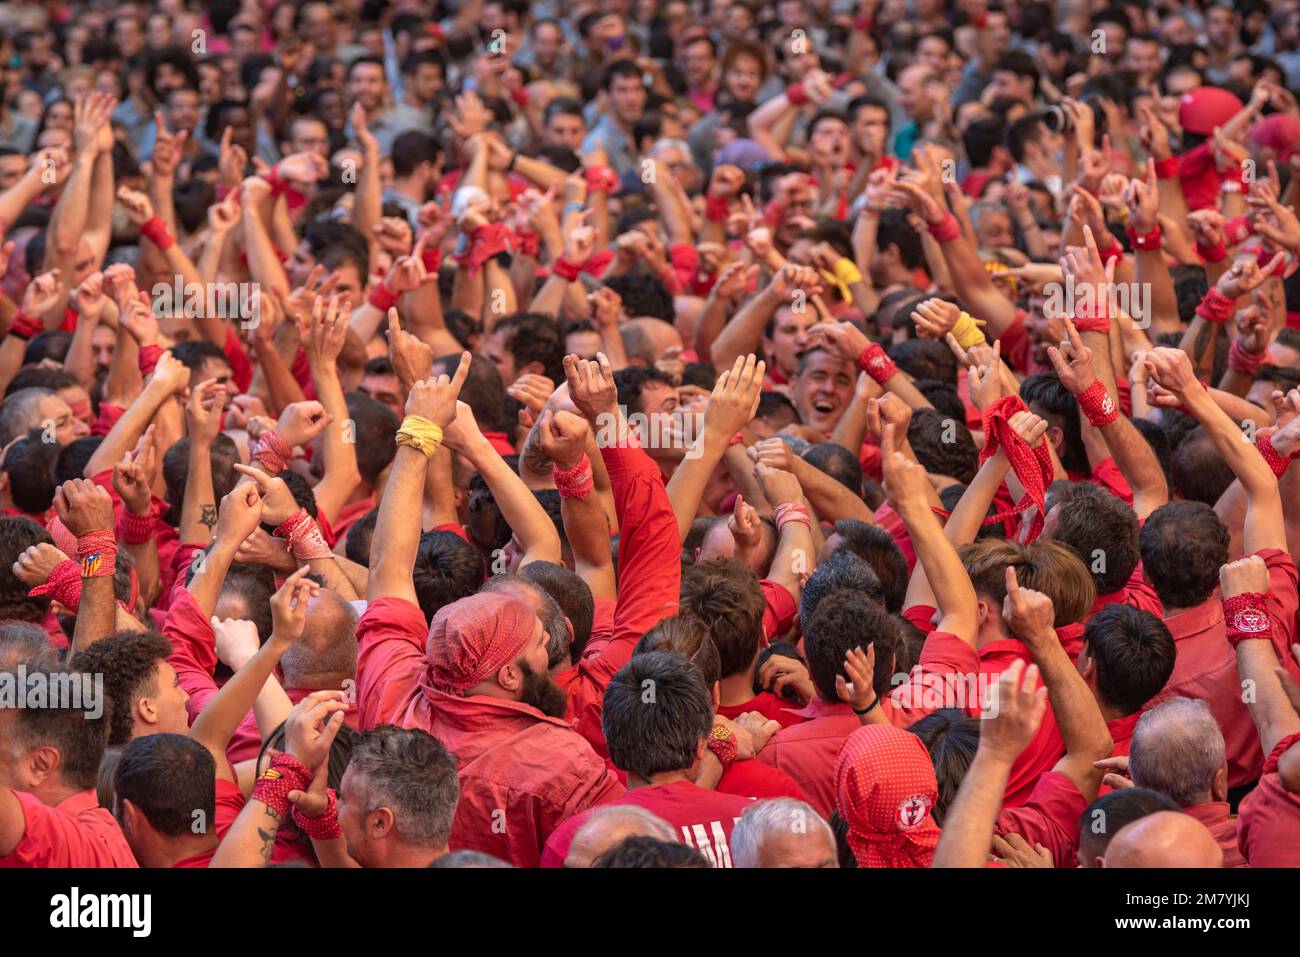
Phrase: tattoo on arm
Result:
[209,516]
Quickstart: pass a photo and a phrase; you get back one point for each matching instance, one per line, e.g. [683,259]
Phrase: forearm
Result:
[1199,343]
[160,195]
[99,209]
[251,839]
[367,203]
[96,616]
[210,574]
[396,538]
[341,475]
[1269,706]
[221,717]
[588,533]
[972,283]
[1153,275]
[688,481]
[128,429]
[795,555]
[263,264]
[68,220]
[499,295]
[1087,739]
[21,195]
[953,592]
[829,498]
[741,335]
[199,510]
[148,571]
[968,826]
[520,508]
[550,298]
[124,379]
[972,508]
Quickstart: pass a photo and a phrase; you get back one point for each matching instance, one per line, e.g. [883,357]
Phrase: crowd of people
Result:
[650,433]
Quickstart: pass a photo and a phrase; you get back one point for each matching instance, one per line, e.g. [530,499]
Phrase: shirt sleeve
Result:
[194,649]
[390,659]
[1282,603]
[1050,817]
[779,611]
[925,689]
[52,838]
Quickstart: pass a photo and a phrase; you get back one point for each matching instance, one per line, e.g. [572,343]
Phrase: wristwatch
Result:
[722,742]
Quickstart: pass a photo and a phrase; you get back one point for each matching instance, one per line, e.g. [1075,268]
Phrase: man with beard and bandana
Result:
[478,682]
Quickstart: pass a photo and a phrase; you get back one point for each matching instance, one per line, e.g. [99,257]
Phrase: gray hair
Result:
[1177,748]
[20,411]
[410,772]
[784,814]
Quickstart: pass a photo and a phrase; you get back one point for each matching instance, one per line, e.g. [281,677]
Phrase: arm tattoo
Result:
[209,516]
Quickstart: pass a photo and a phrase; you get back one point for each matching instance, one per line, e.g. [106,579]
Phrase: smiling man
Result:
[823,388]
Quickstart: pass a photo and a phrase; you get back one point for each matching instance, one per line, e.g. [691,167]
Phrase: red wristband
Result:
[1167,168]
[1216,307]
[148,358]
[134,529]
[156,231]
[1242,361]
[1114,251]
[600,179]
[382,298]
[432,259]
[1212,254]
[1271,455]
[285,774]
[946,230]
[1096,403]
[863,24]
[1093,315]
[63,585]
[791,512]
[528,244]
[1237,230]
[876,364]
[576,481]
[272,452]
[324,827]
[567,269]
[1146,242]
[796,94]
[716,208]
[23,326]
[1245,617]
[98,553]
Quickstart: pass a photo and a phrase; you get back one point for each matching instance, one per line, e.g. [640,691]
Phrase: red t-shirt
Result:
[768,705]
[703,818]
[1050,817]
[76,832]
[1268,829]
[230,801]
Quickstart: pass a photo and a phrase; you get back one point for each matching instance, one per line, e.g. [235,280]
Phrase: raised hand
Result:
[735,397]
[289,607]
[137,205]
[37,563]
[1073,361]
[859,690]
[239,514]
[1245,275]
[278,503]
[532,390]
[1029,614]
[133,476]
[435,398]
[311,727]
[563,437]
[411,356]
[591,386]
[842,339]
[43,293]
[300,422]
[84,507]
[935,318]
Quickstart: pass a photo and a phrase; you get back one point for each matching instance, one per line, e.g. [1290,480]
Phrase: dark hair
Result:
[412,773]
[632,380]
[926,359]
[1133,652]
[128,661]
[1020,63]
[571,593]
[623,68]
[644,295]
[1106,816]
[447,568]
[646,852]
[39,377]
[534,337]
[29,465]
[375,428]
[1100,527]
[16,536]
[412,148]
[1056,403]
[688,637]
[843,570]
[1020,133]
[895,230]
[253,585]
[195,352]
[176,470]
[726,596]
[951,736]
[656,714]
[79,739]
[941,396]
[1197,470]
[837,462]
[845,620]
[172,779]
[1184,544]
[943,445]
[878,549]
[981,138]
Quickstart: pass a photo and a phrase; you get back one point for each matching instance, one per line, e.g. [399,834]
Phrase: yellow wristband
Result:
[420,434]
[846,272]
[840,286]
[967,332]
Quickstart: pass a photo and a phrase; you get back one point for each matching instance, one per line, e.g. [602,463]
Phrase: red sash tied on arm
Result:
[1032,467]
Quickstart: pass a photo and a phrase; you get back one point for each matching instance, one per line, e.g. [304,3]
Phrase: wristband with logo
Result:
[876,364]
[98,553]
[1145,242]
[1245,617]
[722,742]
[284,774]
[1096,403]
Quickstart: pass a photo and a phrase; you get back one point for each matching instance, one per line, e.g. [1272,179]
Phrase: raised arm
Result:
[87,511]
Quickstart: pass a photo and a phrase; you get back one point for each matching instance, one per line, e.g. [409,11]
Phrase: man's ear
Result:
[380,823]
[1086,666]
[42,762]
[1056,435]
[716,694]
[510,677]
[1219,784]
[145,710]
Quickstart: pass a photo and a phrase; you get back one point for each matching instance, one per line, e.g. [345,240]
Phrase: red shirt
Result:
[768,705]
[704,819]
[1050,817]
[779,611]
[1200,177]
[521,773]
[1206,666]
[649,582]
[230,801]
[76,832]
[806,751]
[1268,829]
[1214,815]
[349,515]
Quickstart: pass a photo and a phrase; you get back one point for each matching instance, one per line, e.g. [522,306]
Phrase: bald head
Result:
[1164,839]
[646,339]
[327,652]
[1178,750]
[611,825]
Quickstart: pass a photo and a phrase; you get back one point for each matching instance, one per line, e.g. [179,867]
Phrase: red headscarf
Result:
[471,639]
[884,789]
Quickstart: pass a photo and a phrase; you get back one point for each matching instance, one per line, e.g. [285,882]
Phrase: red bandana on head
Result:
[884,789]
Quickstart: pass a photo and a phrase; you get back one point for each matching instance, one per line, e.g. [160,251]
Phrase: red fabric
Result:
[703,818]
[349,515]
[513,760]
[1050,817]
[1200,178]
[472,639]
[649,582]
[500,443]
[768,705]
[1205,665]
[241,369]
[1033,467]
[806,752]
[1214,815]
[885,788]
[76,832]
[1268,828]
[230,801]
[779,611]
[754,779]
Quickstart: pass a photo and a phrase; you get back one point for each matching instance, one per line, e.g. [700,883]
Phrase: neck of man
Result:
[178,849]
[737,688]
[410,187]
[403,855]
[635,781]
